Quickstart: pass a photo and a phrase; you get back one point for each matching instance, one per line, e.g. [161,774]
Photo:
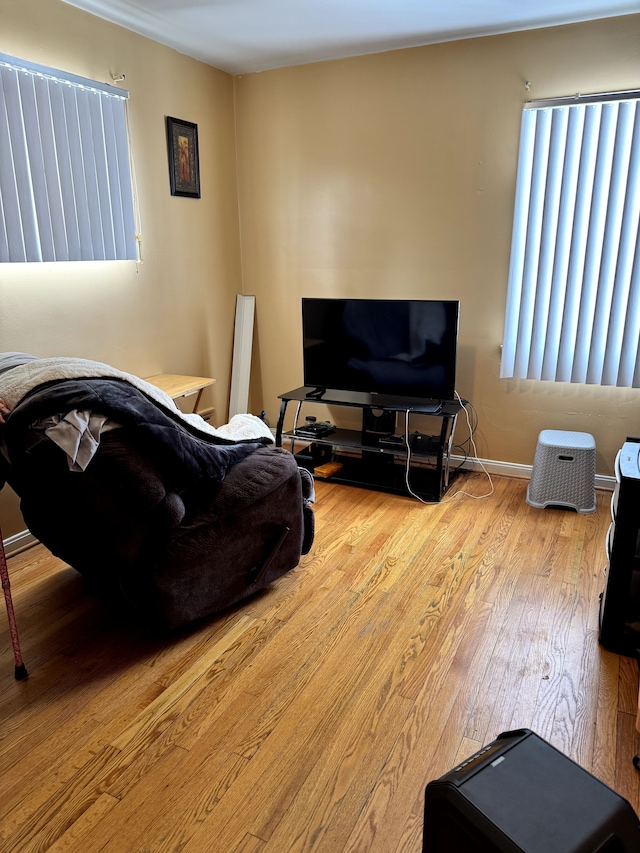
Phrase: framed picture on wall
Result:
[184,164]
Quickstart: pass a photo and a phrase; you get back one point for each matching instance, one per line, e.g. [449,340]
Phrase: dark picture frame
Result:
[184,160]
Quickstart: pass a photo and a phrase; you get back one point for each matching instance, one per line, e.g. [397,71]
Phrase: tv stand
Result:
[377,456]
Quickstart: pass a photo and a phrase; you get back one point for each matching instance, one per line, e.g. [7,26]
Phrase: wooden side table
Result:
[176,385]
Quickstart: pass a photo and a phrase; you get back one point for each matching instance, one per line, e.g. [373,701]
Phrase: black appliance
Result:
[521,795]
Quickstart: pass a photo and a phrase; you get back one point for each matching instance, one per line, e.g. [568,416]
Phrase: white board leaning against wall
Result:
[242,345]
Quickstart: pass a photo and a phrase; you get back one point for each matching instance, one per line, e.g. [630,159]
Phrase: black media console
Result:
[376,456]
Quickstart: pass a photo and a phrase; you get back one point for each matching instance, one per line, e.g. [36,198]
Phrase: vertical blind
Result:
[65,179]
[573,301]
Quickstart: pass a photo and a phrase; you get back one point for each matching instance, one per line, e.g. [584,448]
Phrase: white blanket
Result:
[17,382]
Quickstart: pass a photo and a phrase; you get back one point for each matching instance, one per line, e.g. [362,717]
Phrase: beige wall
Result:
[387,175]
[173,313]
[394,175]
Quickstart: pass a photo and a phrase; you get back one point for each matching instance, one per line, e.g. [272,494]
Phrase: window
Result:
[65,179]
[573,302]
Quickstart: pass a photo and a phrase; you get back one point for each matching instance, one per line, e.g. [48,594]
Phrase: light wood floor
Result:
[312,717]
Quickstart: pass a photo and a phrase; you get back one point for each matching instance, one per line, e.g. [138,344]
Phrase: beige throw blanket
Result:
[17,382]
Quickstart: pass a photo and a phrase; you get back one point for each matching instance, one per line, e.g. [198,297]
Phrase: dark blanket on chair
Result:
[187,454]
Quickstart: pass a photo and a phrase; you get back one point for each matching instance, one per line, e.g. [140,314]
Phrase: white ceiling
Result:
[240,36]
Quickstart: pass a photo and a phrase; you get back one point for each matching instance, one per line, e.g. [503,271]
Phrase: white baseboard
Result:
[512,469]
[19,542]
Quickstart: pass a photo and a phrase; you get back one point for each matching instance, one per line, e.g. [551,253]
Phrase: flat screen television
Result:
[403,348]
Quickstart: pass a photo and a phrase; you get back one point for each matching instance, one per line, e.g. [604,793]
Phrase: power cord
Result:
[472,444]
[465,446]
[407,469]
[469,441]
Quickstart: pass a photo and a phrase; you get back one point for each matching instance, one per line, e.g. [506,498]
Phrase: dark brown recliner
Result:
[171,549]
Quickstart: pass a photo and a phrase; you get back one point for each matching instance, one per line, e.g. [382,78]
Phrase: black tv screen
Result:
[394,347]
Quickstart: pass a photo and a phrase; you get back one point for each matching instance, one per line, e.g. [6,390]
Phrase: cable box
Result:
[315,430]
[391,441]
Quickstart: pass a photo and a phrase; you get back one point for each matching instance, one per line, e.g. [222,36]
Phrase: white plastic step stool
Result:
[564,471]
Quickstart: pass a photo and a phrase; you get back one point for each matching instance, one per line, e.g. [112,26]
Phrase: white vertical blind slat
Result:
[102,180]
[588,342]
[566,217]
[585,153]
[92,161]
[51,171]
[625,218]
[114,178]
[533,240]
[120,175]
[518,242]
[630,361]
[13,248]
[605,305]
[33,137]
[67,190]
[74,128]
[549,239]
[25,201]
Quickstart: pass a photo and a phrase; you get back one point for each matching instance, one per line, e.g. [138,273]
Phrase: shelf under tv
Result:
[361,399]
[364,457]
